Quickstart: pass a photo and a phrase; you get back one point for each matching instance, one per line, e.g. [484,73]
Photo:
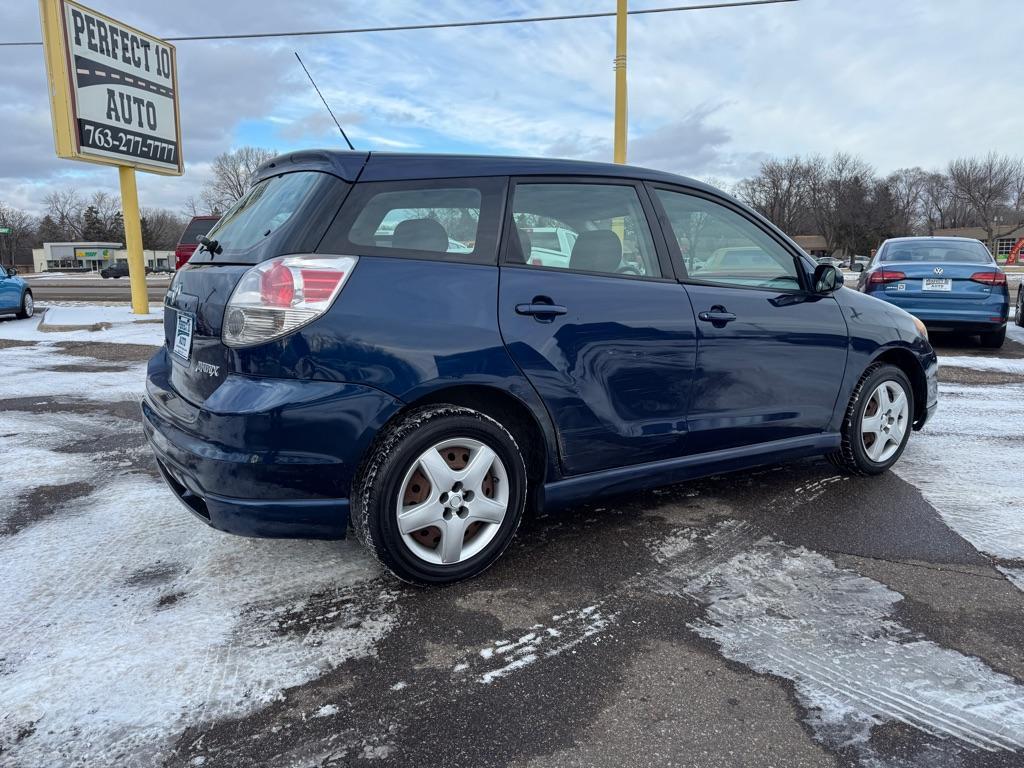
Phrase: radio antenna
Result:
[328,106]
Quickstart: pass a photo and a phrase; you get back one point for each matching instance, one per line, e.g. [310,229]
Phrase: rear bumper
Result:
[953,314]
[263,457]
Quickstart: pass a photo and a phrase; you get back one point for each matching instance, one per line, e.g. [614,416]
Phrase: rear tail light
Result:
[989,278]
[883,276]
[281,295]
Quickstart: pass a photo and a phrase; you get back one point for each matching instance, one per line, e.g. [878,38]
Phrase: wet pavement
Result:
[783,617]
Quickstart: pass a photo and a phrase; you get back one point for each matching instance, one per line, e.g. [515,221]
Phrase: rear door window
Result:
[449,220]
[582,227]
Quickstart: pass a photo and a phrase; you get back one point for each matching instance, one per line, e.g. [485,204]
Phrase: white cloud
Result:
[711,92]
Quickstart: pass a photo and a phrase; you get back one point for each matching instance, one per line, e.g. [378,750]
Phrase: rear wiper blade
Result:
[210,245]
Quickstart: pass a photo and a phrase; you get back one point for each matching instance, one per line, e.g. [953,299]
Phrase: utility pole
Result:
[620,81]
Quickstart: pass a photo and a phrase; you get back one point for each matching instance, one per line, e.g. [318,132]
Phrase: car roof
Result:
[401,166]
[930,238]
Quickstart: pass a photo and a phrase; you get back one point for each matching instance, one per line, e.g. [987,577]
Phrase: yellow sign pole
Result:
[133,239]
[620,81]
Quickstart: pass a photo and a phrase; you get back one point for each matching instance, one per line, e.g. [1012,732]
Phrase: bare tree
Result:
[780,192]
[941,208]
[839,192]
[232,174]
[906,190]
[65,208]
[22,230]
[193,207]
[985,184]
[163,228]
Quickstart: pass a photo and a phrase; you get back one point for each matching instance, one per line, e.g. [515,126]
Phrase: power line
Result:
[457,24]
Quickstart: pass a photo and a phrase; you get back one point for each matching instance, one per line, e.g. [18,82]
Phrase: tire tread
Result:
[366,479]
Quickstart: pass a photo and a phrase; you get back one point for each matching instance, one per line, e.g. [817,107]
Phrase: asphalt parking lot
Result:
[784,617]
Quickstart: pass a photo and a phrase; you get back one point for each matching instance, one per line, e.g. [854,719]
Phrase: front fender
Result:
[878,331]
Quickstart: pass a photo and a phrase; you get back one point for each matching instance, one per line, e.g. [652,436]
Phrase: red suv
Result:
[196,228]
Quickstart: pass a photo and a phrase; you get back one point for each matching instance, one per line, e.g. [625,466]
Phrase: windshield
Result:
[948,252]
[261,211]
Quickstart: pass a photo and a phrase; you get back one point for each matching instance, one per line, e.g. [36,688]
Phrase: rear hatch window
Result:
[283,214]
[937,252]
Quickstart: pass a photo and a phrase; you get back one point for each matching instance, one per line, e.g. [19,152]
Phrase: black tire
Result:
[376,489]
[994,340]
[1020,307]
[27,308]
[852,458]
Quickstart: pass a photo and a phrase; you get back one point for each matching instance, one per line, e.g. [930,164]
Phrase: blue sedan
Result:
[15,295]
[949,283]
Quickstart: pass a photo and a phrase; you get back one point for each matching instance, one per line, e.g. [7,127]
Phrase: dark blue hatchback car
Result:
[377,340]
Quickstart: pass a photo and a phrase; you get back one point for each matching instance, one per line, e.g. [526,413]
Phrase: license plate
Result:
[937,284]
[183,336]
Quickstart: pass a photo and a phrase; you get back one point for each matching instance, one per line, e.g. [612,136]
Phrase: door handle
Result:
[718,316]
[541,310]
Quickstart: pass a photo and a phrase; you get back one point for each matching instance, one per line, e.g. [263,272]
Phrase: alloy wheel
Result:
[452,501]
[884,421]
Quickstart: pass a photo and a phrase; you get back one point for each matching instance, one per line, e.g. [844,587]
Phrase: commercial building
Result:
[92,257]
[814,245]
[1003,240]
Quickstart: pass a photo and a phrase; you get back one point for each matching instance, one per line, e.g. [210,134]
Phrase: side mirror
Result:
[858,266]
[826,278]
[12,271]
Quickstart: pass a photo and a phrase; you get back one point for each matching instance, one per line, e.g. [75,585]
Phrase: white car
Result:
[550,246]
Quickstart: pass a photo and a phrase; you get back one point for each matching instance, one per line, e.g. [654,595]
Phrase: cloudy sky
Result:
[712,93]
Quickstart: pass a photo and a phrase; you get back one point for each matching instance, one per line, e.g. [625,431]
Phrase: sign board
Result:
[5,230]
[113,90]
[82,255]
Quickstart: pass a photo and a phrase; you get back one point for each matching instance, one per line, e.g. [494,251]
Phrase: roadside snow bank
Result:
[1000,364]
[114,325]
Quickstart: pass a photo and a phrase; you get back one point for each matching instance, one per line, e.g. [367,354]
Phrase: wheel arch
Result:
[907,362]
[509,411]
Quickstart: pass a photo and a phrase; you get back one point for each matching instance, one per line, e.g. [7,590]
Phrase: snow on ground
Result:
[968,462]
[29,371]
[28,451]
[1000,364]
[125,620]
[1015,332]
[124,594]
[58,315]
[791,612]
[565,632]
[124,330]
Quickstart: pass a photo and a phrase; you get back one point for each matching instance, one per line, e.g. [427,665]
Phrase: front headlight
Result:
[921,328]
